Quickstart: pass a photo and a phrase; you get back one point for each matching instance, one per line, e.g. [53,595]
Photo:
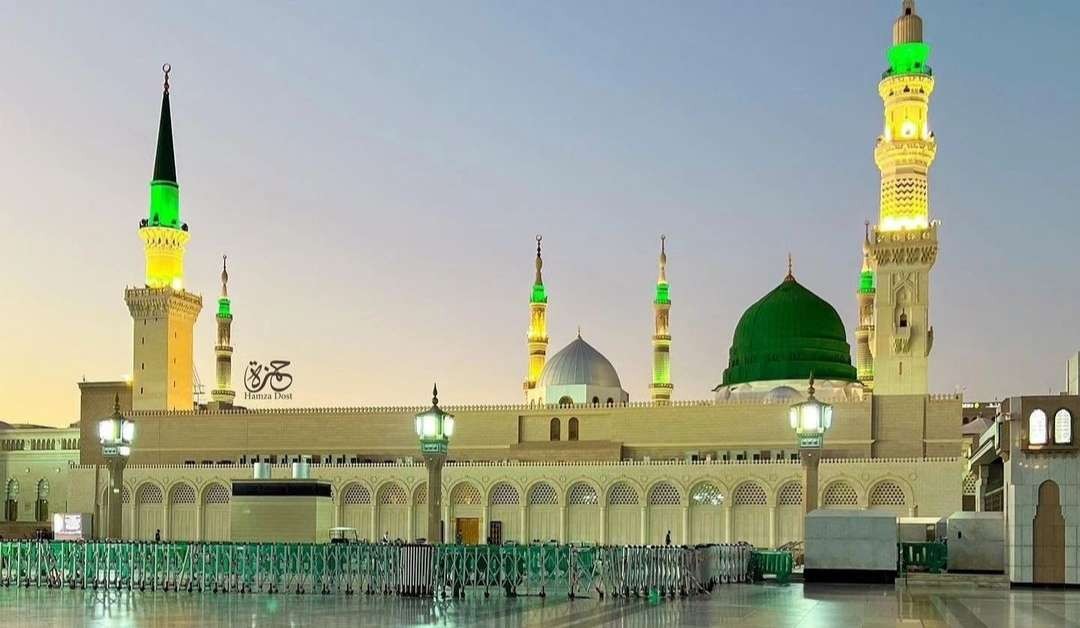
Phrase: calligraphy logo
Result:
[260,376]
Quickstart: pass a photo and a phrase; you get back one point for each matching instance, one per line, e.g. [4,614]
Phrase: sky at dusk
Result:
[377,171]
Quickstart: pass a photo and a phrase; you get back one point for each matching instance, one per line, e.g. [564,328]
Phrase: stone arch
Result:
[465,493]
[888,494]
[149,510]
[750,514]
[542,511]
[625,501]
[11,500]
[215,499]
[356,508]
[706,498]
[419,498]
[41,501]
[505,507]
[789,500]
[665,499]
[183,512]
[582,499]
[392,508]
[840,493]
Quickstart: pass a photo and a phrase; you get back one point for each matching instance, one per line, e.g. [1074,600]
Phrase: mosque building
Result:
[576,460]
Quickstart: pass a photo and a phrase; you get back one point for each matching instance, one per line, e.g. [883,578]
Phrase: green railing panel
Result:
[930,556]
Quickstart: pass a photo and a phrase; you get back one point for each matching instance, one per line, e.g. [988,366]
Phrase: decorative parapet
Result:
[557,464]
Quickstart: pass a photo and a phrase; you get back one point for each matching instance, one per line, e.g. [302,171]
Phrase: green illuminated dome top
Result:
[789,334]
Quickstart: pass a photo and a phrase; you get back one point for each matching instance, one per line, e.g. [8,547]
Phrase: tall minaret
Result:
[223,392]
[163,312]
[661,386]
[538,338]
[904,244]
[864,332]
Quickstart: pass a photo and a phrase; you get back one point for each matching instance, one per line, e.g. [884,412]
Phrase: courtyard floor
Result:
[844,606]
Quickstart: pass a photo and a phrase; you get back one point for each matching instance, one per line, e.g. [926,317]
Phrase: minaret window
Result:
[903,320]
[1037,427]
[1062,427]
[555,430]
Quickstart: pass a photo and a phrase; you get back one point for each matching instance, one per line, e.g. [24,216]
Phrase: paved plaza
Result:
[736,605]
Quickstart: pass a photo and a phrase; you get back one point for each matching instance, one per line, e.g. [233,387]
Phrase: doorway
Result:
[467,530]
[1048,537]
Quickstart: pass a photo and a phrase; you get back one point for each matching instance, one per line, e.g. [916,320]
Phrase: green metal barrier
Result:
[932,556]
[389,569]
[776,563]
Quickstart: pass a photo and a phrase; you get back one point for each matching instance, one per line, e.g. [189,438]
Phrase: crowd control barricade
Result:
[443,571]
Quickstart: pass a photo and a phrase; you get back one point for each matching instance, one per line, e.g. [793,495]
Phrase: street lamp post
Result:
[810,419]
[434,429]
[116,434]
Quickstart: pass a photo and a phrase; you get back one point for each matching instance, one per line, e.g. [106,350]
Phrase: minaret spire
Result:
[537,336]
[163,312]
[661,387]
[223,393]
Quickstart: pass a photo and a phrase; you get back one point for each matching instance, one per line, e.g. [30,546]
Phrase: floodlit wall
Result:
[619,502]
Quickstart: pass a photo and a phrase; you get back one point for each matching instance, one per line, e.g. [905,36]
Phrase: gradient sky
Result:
[377,172]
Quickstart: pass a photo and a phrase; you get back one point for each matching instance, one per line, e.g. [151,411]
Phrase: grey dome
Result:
[579,364]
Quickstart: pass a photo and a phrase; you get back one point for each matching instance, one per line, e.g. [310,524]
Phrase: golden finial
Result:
[224,275]
[663,259]
[435,394]
[790,271]
[539,260]
[166,68]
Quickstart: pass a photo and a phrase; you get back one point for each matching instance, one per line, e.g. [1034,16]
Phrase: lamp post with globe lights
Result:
[116,433]
[434,429]
[810,419]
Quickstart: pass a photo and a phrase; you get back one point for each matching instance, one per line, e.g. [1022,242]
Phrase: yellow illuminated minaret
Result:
[903,246]
[162,311]
[661,387]
[223,393]
[538,338]
[864,332]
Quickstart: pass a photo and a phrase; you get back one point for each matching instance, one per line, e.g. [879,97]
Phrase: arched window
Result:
[555,430]
[573,428]
[1062,427]
[566,400]
[903,320]
[610,401]
[596,401]
[1037,427]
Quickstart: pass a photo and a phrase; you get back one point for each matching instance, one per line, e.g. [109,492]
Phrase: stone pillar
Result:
[603,525]
[524,528]
[485,517]
[644,525]
[811,459]
[434,464]
[114,528]
[685,525]
[725,512]
[773,533]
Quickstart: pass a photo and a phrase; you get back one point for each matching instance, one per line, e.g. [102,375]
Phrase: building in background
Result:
[577,460]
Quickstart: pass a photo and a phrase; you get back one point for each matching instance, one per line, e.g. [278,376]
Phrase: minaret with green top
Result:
[864,331]
[537,338]
[223,393]
[163,312]
[661,387]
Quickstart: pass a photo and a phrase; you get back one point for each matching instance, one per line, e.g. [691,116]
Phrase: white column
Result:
[562,523]
[772,526]
[485,515]
[725,512]
[523,529]
[644,524]
[603,525]
[685,539]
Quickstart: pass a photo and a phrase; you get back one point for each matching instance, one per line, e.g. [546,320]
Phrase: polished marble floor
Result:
[844,606]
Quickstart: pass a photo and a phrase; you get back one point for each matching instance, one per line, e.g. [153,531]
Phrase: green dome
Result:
[790,333]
